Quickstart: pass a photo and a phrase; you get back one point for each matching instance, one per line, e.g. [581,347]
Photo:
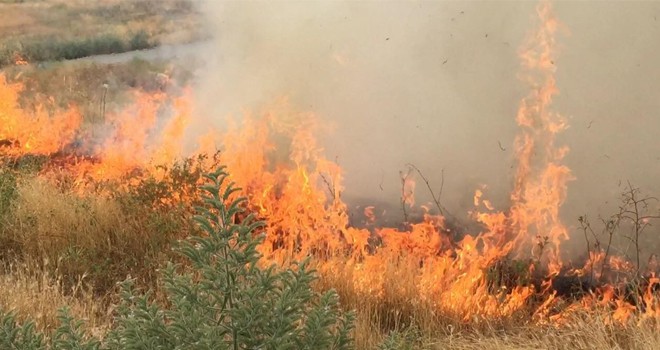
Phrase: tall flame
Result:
[540,181]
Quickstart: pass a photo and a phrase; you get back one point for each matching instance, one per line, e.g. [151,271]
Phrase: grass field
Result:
[50,30]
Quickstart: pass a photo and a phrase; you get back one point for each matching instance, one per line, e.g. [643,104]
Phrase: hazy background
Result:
[434,84]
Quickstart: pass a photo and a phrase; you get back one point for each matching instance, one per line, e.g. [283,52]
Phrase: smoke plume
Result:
[436,84]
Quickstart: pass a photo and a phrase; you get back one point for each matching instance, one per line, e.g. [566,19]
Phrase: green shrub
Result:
[140,41]
[54,49]
[24,337]
[226,301]
[221,299]
[68,336]
[404,339]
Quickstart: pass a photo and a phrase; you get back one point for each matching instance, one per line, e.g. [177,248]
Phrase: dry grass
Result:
[35,28]
[170,21]
[93,236]
[33,293]
[82,84]
[587,330]
[396,315]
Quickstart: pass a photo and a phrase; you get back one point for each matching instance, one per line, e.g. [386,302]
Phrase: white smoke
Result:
[435,84]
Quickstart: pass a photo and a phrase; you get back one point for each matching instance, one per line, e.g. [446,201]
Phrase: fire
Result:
[540,183]
[19,60]
[275,159]
[41,131]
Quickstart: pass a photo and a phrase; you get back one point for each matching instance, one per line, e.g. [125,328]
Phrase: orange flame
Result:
[540,183]
[39,131]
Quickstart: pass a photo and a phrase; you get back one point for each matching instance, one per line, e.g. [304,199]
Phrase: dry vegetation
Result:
[61,247]
[44,30]
[90,85]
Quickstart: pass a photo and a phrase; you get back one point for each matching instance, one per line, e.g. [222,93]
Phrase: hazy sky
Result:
[435,84]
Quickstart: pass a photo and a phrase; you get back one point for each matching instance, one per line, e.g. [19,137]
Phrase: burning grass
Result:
[107,198]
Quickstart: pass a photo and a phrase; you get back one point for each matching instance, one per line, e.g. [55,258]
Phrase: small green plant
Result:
[402,339]
[227,301]
[68,336]
[13,336]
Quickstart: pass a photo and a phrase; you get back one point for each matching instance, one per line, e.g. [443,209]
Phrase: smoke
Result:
[435,84]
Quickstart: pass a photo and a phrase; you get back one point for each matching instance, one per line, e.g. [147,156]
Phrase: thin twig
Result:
[403,194]
[331,187]
[584,226]
[610,226]
[443,211]
[428,185]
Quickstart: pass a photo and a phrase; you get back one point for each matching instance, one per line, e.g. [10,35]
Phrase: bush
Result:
[140,41]
[222,299]
[404,339]
[54,49]
[13,336]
